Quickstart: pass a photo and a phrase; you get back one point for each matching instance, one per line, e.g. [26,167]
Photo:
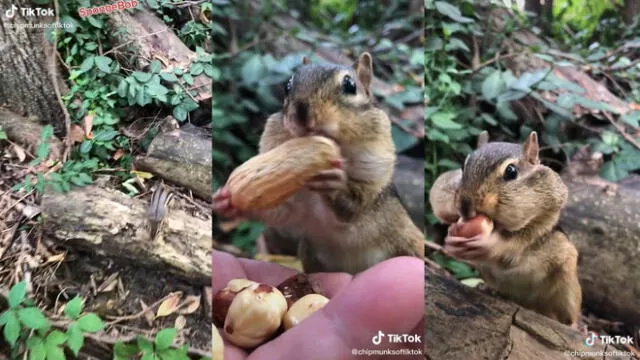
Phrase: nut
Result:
[217,346]
[268,179]
[224,297]
[302,308]
[295,287]
[255,315]
[478,225]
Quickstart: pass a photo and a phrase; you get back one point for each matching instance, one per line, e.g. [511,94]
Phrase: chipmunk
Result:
[348,218]
[525,258]
[158,208]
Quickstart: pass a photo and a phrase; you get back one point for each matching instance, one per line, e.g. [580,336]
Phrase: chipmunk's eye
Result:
[348,85]
[510,173]
[288,86]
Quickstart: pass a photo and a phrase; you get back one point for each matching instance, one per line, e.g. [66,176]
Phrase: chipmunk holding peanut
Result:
[522,255]
[347,218]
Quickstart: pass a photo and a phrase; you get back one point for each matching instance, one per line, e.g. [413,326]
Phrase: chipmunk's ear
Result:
[530,149]
[364,70]
[306,60]
[483,139]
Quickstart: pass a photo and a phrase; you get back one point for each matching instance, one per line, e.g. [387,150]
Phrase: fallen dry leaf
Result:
[170,305]
[19,152]
[148,315]
[87,123]
[118,154]
[56,258]
[180,322]
[76,133]
[109,284]
[190,304]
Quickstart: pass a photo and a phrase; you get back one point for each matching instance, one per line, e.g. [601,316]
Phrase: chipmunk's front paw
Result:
[477,248]
[223,207]
[328,181]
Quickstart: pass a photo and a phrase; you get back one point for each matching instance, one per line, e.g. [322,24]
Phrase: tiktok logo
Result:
[377,339]
[11,12]
[591,340]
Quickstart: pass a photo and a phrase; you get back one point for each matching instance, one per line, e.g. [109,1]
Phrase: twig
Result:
[56,88]
[496,58]
[623,67]
[620,129]
[118,319]
[130,41]
[15,203]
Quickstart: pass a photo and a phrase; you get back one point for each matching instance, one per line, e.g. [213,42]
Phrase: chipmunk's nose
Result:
[467,209]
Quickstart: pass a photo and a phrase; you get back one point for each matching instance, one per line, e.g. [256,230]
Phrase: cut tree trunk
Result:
[26,132]
[110,223]
[605,228]
[465,323]
[182,157]
[27,67]
[151,39]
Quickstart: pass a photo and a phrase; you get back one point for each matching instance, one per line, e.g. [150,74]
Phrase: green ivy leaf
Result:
[168,77]
[144,344]
[17,294]
[493,85]
[38,352]
[90,323]
[402,139]
[196,69]
[75,338]
[71,22]
[631,118]
[32,318]
[452,12]
[164,338]
[86,146]
[155,66]
[180,113]
[95,22]
[87,64]
[253,70]
[444,120]
[54,352]
[11,329]
[56,337]
[104,64]
[188,79]
[73,308]
[612,172]
[125,350]
[142,77]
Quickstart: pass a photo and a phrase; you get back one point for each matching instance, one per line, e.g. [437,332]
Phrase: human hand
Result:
[388,297]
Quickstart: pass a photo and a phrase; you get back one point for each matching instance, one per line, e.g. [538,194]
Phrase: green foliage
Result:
[3,135]
[27,330]
[100,91]
[30,333]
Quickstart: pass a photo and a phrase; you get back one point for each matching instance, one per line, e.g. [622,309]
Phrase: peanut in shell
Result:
[268,179]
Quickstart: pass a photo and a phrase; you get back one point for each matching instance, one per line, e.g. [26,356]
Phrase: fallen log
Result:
[182,157]
[605,227]
[149,38]
[108,222]
[465,323]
